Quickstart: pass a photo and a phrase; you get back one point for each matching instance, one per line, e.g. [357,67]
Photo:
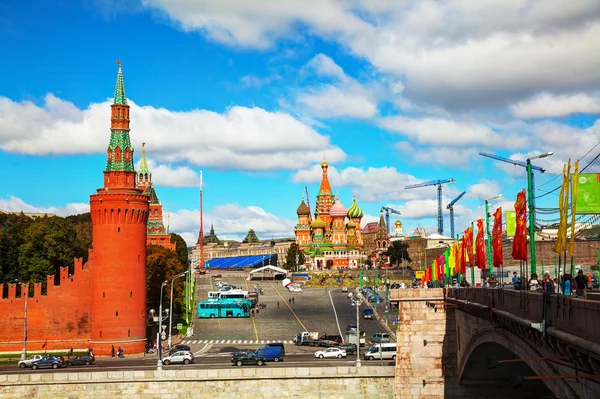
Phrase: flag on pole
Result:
[497,260]
[479,246]
[574,182]
[563,206]
[469,246]
[463,256]
[519,247]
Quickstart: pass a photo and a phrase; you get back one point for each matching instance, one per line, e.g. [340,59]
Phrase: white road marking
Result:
[246,341]
[336,316]
[228,341]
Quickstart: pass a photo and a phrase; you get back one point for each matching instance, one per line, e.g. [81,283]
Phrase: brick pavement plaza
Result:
[312,311]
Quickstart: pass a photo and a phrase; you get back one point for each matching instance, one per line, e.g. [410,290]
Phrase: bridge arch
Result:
[492,341]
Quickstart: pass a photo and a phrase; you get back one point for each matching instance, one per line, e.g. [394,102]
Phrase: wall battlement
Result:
[58,320]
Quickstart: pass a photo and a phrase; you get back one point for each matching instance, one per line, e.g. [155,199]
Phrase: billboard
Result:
[511,223]
[588,194]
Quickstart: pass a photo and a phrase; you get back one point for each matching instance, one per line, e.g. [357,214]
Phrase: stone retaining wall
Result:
[247,382]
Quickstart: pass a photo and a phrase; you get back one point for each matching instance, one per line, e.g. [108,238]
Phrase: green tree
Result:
[162,264]
[83,228]
[180,248]
[397,253]
[290,261]
[49,244]
[12,232]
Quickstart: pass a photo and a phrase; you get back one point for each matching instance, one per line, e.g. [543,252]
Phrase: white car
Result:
[344,289]
[27,362]
[184,357]
[331,352]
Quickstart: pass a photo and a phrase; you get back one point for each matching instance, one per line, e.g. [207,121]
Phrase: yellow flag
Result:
[573,207]
[563,204]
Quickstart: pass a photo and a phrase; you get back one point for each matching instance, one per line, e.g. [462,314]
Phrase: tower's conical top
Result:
[120,98]
[144,162]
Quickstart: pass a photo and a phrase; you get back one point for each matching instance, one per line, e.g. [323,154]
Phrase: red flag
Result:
[519,249]
[463,256]
[469,246]
[480,246]
[497,238]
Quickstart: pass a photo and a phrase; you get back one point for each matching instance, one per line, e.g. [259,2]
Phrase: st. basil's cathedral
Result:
[329,240]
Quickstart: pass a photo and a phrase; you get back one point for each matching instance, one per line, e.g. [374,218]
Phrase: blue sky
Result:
[391,93]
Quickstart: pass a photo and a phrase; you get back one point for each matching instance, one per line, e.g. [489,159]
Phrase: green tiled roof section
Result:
[157,224]
[152,193]
[120,97]
[119,138]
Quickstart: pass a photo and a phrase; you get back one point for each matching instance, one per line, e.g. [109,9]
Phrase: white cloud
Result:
[255,81]
[546,105]
[371,184]
[484,189]
[240,138]
[451,157]
[14,204]
[231,221]
[171,176]
[457,53]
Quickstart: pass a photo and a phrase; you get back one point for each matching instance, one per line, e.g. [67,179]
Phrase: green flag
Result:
[511,223]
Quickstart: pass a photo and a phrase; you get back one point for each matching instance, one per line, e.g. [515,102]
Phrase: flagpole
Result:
[471,258]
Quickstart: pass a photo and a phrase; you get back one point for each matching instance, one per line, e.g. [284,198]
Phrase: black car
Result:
[178,348]
[81,360]
[243,357]
[349,348]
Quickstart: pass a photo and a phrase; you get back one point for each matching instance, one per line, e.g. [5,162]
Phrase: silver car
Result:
[184,357]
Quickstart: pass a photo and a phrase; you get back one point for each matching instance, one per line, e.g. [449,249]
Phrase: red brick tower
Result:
[119,215]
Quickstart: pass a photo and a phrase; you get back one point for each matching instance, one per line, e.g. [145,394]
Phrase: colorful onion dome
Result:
[337,209]
[303,209]
[354,211]
[318,223]
[350,224]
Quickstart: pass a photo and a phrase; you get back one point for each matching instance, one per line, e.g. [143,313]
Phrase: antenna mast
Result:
[308,203]
[201,266]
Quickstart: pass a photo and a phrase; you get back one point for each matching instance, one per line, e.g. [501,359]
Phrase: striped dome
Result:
[350,224]
[303,209]
[337,209]
[354,211]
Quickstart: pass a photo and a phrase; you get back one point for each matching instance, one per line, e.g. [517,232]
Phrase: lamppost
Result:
[171,309]
[530,203]
[387,298]
[357,301]
[160,333]
[489,235]
[24,351]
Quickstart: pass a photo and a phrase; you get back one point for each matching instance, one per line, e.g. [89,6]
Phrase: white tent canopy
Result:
[270,268]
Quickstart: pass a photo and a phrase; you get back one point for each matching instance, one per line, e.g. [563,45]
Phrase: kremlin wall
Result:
[103,303]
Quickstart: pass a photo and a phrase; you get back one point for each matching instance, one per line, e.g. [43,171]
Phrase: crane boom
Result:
[451,208]
[437,183]
[513,161]
[388,211]
[308,204]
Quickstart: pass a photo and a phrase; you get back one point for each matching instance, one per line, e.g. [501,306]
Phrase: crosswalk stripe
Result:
[246,341]
[262,342]
[228,341]
[205,341]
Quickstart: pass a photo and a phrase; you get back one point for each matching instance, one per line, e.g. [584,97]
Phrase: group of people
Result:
[120,352]
[567,285]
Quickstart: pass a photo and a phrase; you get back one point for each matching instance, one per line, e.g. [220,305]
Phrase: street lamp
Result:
[489,236]
[159,346]
[357,301]
[530,193]
[387,298]
[171,308]
[24,351]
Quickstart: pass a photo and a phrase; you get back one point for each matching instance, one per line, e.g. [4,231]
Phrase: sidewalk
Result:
[176,341]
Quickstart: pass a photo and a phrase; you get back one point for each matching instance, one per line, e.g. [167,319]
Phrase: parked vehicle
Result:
[351,328]
[47,362]
[278,344]
[244,357]
[80,360]
[184,357]
[344,289]
[368,313]
[385,351]
[271,353]
[180,347]
[353,338]
[216,309]
[350,349]
[334,338]
[380,337]
[330,353]
[312,339]
[29,361]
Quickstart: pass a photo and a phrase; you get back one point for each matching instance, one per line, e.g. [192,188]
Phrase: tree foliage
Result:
[31,249]
[290,260]
[162,265]
[180,248]
[397,252]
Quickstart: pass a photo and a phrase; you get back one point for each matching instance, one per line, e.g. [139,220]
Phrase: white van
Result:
[385,351]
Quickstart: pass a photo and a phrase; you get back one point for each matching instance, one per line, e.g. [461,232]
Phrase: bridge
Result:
[496,342]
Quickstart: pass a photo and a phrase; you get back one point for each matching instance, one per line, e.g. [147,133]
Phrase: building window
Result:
[104,295]
[128,333]
[100,334]
[130,294]
[118,229]
[117,313]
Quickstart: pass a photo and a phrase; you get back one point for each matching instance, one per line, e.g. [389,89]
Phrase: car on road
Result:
[279,344]
[184,357]
[29,361]
[344,289]
[330,353]
[351,329]
[47,362]
[380,337]
[368,313]
[350,349]
[178,348]
[271,353]
[218,275]
[242,358]
[80,360]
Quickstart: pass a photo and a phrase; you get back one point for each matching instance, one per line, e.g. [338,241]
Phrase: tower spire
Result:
[120,98]
[144,162]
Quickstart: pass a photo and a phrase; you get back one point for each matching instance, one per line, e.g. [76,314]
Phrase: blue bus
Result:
[214,309]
